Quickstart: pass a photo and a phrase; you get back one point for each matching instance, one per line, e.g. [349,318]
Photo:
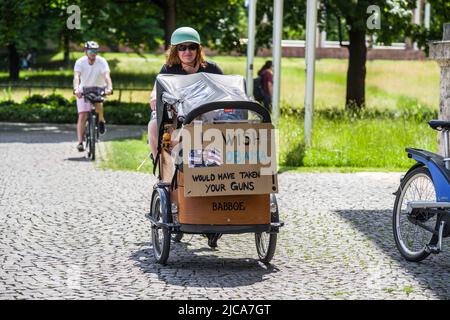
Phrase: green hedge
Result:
[57,109]
[414,112]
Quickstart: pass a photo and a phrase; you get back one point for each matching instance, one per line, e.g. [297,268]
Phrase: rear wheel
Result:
[266,242]
[411,239]
[160,235]
[265,245]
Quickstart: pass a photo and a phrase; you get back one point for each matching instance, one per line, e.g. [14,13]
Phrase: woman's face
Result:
[187,52]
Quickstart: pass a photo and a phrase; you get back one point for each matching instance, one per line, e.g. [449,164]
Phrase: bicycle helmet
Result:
[91,45]
[184,34]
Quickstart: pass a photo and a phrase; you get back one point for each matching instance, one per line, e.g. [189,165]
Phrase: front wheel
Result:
[160,235]
[411,239]
[266,242]
[93,135]
[89,136]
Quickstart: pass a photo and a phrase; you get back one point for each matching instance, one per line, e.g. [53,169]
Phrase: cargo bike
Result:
[212,180]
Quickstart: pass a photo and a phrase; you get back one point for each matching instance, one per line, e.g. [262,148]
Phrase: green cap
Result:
[184,34]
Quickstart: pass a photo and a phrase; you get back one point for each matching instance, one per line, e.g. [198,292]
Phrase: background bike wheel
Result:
[411,239]
[87,139]
[266,242]
[160,236]
[92,133]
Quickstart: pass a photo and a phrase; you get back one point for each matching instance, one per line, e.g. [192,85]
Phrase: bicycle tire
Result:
[397,227]
[92,137]
[160,236]
[266,243]
[87,138]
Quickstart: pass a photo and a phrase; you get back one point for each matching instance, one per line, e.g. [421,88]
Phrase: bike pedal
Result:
[432,249]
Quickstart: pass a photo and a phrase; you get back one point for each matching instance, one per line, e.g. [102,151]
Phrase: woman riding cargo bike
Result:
[227,187]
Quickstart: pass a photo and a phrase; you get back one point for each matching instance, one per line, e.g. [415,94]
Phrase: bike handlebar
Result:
[172,102]
[102,93]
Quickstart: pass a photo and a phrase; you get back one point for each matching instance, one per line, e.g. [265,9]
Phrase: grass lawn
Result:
[127,154]
[375,143]
[389,84]
[343,145]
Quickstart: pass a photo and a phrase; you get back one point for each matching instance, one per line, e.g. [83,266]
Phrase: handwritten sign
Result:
[228,180]
[243,175]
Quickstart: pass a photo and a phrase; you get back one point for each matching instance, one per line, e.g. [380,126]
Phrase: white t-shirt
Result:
[92,75]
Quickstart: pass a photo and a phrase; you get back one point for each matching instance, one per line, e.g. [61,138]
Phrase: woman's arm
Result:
[153,98]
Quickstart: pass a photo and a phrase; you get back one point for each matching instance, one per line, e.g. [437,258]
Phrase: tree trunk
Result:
[356,73]
[66,40]
[170,20]
[14,62]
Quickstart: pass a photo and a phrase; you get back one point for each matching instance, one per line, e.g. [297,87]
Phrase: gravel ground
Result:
[70,230]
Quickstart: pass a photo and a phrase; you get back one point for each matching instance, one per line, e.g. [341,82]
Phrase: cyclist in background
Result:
[91,72]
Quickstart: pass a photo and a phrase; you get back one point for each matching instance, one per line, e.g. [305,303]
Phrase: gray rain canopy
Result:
[197,89]
[206,96]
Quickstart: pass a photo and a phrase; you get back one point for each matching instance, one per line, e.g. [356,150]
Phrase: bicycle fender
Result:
[165,203]
[416,165]
[441,186]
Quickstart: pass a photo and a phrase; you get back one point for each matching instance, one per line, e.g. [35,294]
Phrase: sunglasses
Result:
[90,51]
[184,47]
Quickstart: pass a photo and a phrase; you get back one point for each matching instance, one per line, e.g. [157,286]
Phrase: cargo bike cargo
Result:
[216,164]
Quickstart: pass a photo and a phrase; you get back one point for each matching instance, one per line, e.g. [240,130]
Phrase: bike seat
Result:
[439,124]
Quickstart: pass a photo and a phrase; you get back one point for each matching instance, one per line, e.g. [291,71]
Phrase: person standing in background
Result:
[266,75]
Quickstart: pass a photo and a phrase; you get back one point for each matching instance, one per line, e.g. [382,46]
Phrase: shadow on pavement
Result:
[36,133]
[59,133]
[376,225]
[78,159]
[186,268]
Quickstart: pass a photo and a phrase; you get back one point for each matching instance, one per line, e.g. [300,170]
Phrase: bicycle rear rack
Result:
[427,205]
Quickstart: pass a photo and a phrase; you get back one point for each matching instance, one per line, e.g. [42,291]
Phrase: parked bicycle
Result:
[421,217]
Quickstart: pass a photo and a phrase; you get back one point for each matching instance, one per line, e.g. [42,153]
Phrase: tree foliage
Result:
[134,24]
[355,18]
[294,17]
[217,21]
[440,14]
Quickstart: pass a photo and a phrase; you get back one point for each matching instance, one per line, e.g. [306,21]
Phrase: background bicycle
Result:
[421,216]
[91,133]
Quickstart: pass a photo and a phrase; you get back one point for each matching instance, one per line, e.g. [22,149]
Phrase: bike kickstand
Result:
[438,247]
